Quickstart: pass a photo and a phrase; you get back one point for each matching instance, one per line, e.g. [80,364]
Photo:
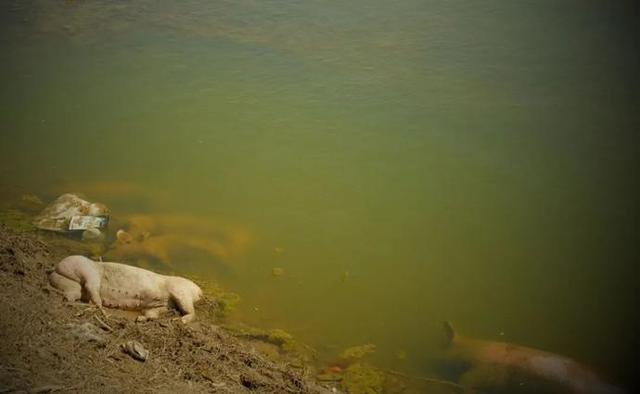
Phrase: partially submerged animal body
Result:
[125,287]
[502,367]
[164,238]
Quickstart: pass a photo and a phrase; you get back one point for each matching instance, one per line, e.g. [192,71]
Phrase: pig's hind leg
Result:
[152,314]
[84,271]
[72,290]
[183,301]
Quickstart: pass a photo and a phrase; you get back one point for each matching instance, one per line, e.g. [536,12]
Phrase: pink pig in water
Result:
[502,367]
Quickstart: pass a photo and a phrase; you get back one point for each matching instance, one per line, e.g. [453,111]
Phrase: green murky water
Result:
[404,162]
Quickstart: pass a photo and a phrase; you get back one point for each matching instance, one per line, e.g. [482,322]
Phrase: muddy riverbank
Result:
[49,345]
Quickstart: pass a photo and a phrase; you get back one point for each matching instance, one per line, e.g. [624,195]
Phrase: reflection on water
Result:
[401,164]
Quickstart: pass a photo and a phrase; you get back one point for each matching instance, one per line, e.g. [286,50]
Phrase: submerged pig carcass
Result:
[500,367]
[125,287]
[165,238]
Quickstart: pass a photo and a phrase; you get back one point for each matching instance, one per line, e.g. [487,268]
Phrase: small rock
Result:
[87,332]
[135,350]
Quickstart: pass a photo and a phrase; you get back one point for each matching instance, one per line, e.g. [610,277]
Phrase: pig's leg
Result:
[92,285]
[184,303]
[92,279]
[151,314]
[182,298]
[71,289]
[84,271]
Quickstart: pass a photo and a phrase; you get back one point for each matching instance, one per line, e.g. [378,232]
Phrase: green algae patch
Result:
[227,302]
[222,302]
[17,221]
[356,353]
[280,337]
[363,379]
[328,375]
[293,352]
[276,336]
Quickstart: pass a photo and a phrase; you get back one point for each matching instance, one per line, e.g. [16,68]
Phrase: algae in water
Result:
[17,221]
[356,353]
[362,379]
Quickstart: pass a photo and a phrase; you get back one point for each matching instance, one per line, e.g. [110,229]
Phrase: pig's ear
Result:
[449,332]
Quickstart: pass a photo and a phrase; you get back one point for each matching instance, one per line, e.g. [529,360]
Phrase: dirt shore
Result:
[50,345]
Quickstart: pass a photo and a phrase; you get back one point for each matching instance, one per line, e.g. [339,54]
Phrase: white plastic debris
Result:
[87,222]
[71,213]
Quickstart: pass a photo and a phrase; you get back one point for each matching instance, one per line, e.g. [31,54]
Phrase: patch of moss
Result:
[275,336]
[328,376]
[227,303]
[294,352]
[224,302]
[356,353]
[362,379]
[17,221]
[286,342]
[279,336]
[242,330]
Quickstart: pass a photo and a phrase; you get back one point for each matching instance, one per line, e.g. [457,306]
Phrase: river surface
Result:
[399,163]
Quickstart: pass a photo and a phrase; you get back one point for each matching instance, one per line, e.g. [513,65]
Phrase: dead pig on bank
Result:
[125,287]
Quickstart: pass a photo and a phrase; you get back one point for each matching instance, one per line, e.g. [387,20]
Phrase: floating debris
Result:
[69,212]
[124,237]
[87,222]
[277,271]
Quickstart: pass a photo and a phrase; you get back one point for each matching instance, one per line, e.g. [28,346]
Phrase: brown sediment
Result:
[49,344]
